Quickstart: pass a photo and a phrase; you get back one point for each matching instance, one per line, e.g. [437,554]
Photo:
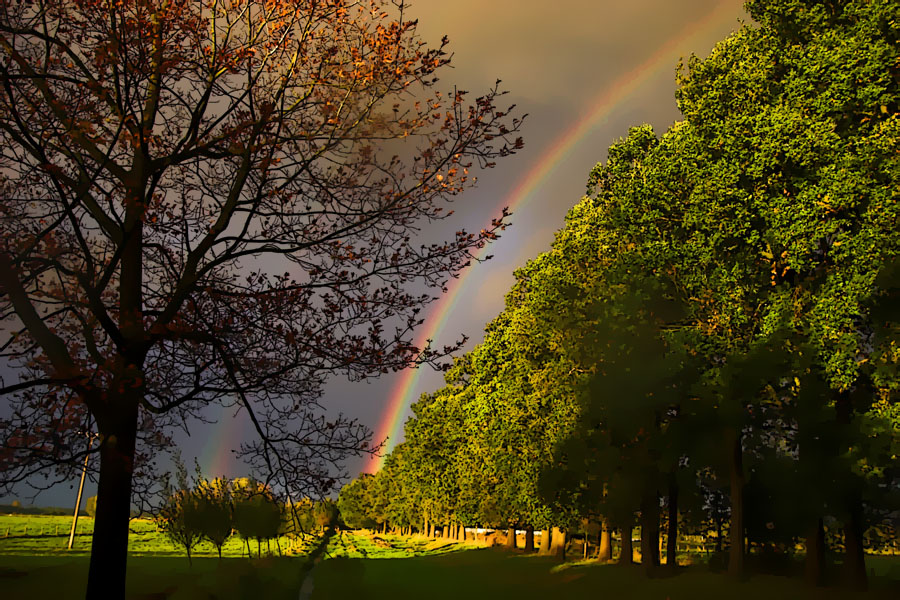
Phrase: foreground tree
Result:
[162,162]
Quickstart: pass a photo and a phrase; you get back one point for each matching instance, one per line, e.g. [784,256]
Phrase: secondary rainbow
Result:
[605,104]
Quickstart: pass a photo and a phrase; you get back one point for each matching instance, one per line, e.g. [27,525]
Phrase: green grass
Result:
[155,578]
[448,570]
[381,566]
[36,535]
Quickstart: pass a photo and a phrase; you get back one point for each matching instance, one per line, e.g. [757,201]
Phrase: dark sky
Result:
[605,64]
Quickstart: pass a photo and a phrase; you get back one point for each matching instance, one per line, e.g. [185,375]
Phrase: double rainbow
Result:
[605,104]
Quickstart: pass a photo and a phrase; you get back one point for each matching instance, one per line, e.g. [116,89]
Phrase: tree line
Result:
[712,340]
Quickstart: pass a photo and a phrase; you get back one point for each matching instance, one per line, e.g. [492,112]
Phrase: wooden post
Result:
[80,490]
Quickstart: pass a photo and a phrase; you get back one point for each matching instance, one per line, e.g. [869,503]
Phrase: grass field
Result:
[417,568]
[47,535]
[358,564]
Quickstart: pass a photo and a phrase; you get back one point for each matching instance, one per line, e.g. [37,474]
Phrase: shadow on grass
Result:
[492,573]
[156,578]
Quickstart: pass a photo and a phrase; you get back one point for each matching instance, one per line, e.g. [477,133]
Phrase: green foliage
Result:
[180,517]
[257,514]
[721,308]
[216,509]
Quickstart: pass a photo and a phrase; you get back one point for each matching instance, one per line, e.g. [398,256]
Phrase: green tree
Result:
[257,514]
[180,518]
[216,507]
[355,503]
[91,506]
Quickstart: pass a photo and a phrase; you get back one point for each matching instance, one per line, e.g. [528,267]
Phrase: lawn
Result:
[155,578]
[413,568]
[42,535]
[368,565]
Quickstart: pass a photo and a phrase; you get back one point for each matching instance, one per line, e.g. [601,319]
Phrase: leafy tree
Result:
[91,506]
[216,508]
[326,513]
[355,503]
[180,518]
[257,514]
[159,155]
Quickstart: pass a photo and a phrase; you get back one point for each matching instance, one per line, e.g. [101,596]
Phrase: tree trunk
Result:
[529,538]
[431,530]
[650,531]
[854,553]
[605,553]
[558,547]
[672,539]
[814,566]
[510,538]
[462,533]
[854,557]
[425,527]
[627,555]
[109,543]
[545,542]
[736,533]
[718,535]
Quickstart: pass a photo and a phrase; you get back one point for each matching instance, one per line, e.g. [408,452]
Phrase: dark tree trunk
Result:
[854,553]
[627,555]
[545,542]
[718,534]
[854,557]
[529,538]
[109,543]
[736,534]
[511,537]
[605,552]
[650,531]
[672,539]
[814,566]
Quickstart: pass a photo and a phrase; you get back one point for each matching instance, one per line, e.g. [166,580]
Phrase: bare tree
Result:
[196,208]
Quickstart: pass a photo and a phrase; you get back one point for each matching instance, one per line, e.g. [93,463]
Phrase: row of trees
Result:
[216,509]
[713,337]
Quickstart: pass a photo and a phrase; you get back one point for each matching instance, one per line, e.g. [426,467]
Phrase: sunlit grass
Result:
[36,535]
[436,569]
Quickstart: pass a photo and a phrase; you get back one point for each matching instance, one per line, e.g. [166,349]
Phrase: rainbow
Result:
[605,104]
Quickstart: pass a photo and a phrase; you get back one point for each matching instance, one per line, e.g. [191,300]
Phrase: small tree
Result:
[91,506]
[257,515]
[325,513]
[216,511]
[180,516]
